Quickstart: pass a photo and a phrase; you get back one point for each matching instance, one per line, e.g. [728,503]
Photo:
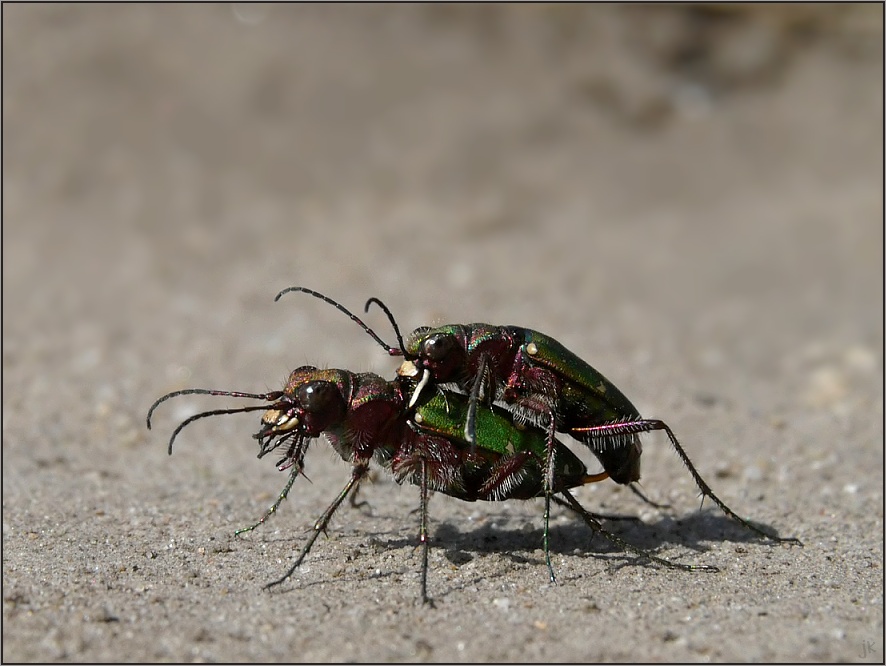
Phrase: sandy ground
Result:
[691,201]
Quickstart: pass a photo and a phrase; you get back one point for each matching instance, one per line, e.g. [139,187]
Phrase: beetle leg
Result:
[358,472]
[357,504]
[481,378]
[549,484]
[503,479]
[545,540]
[423,532]
[595,525]
[598,516]
[635,488]
[646,425]
[514,386]
[293,475]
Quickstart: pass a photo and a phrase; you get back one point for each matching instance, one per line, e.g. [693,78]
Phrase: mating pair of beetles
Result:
[473,413]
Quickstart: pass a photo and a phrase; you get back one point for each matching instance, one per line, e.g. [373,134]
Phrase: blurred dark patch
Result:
[642,64]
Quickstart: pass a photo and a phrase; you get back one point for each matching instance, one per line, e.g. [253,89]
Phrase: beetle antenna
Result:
[273,395]
[391,319]
[393,351]
[214,412]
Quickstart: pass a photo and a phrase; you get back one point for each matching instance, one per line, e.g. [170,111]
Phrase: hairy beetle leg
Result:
[357,474]
[648,425]
[293,475]
[595,525]
[634,486]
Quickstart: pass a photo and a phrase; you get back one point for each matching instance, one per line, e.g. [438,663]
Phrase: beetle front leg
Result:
[481,379]
[530,382]
[514,386]
[359,471]
[293,475]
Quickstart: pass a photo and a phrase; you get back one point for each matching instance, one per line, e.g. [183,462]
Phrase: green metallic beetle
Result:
[366,419]
[511,462]
[543,385]
[547,386]
[542,382]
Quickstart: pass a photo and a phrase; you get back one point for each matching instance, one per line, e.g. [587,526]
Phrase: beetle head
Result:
[441,351]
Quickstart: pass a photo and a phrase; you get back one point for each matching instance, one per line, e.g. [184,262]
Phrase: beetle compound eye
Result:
[317,396]
[438,347]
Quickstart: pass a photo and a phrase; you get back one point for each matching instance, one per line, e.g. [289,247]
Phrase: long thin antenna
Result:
[393,351]
[270,397]
[391,319]
[214,412]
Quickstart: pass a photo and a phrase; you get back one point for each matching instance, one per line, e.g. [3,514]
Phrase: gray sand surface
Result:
[690,200]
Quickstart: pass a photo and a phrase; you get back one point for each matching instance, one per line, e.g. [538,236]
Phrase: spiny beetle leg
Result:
[545,540]
[357,474]
[548,488]
[549,495]
[514,387]
[293,475]
[647,425]
[639,493]
[484,380]
[423,533]
[595,525]
[355,503]
[598,516]
[471,418]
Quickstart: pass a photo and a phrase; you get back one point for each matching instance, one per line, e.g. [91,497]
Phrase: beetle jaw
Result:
[408,369]
[277,421]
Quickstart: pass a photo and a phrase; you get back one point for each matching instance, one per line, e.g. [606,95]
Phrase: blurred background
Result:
[689,197]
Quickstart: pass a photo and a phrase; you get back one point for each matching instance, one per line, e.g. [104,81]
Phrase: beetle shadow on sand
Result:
[698,532]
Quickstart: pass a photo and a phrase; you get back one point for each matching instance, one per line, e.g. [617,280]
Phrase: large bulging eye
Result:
[317,396]
[437,347]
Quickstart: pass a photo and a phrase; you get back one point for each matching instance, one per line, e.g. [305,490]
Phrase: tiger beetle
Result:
[365,417]
[543,385]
